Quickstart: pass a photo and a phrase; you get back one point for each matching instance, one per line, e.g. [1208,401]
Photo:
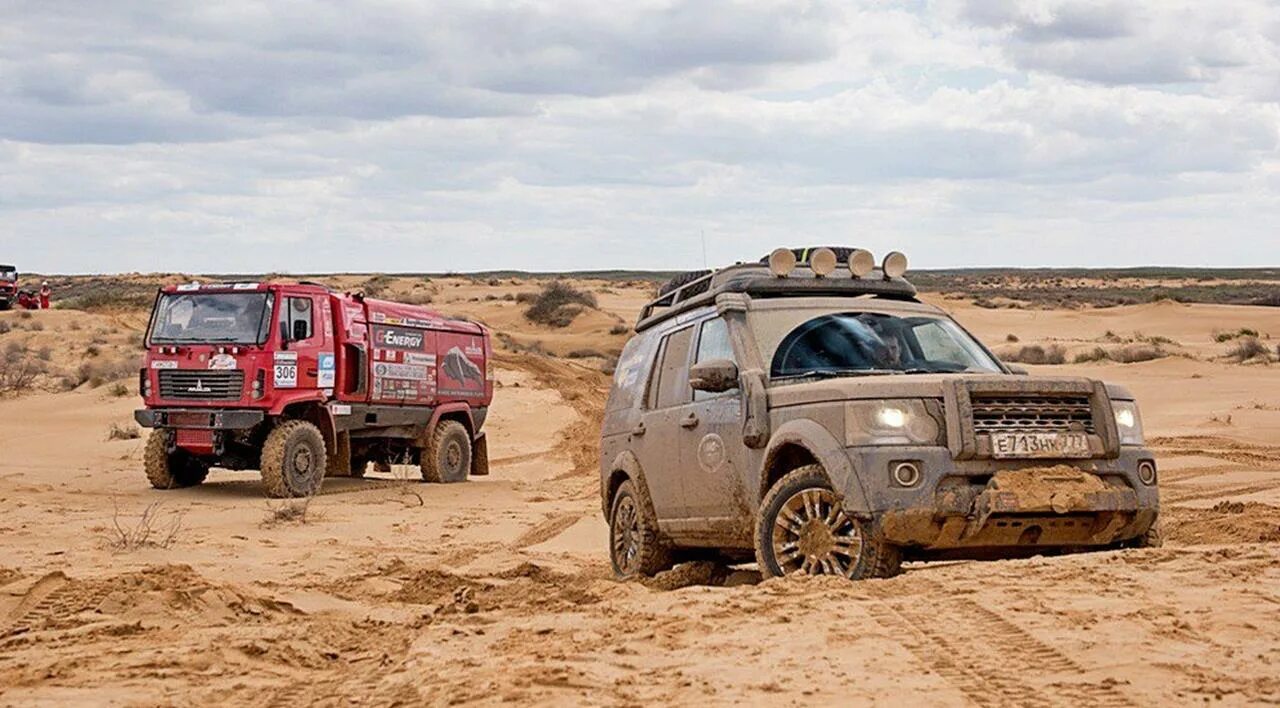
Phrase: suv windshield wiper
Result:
[830,374]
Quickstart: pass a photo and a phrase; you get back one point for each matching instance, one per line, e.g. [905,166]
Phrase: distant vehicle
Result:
[810,413]
[8,286]
[302,383]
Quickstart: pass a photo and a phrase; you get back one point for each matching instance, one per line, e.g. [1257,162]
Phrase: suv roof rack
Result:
[757,280]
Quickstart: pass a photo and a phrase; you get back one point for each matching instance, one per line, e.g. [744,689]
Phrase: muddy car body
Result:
[774,415]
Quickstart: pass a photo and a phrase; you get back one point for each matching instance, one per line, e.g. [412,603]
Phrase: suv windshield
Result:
[875,343]
[234,318]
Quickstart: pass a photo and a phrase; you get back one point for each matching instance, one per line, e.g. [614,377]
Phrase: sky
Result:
[464,135]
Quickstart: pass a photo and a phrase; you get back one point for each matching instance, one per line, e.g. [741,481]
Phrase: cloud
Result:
[450,135]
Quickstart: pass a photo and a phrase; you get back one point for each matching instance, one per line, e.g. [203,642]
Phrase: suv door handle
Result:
[639,430]
[690,422]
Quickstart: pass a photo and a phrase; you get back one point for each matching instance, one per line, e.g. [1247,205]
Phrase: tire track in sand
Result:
[984,655]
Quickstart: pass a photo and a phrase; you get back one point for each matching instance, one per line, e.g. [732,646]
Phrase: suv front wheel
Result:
[803,529]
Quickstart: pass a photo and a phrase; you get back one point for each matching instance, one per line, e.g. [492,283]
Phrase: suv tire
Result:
[634,548]
[684,279]
[293,460]
[802,529]
[447,458]
[171,471]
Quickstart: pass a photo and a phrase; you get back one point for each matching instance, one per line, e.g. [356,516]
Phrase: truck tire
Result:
[635,550]
[480,457]
[171,471]
[802,529]
[447,457]
[293,460]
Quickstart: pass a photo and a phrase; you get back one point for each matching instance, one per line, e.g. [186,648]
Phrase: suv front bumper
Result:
[989,503]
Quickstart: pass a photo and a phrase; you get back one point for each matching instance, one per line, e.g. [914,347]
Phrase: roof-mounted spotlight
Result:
[781,262]
[861,263]
[895,265]
[823,262]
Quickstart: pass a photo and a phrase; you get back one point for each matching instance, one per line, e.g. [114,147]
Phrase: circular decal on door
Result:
[711,452]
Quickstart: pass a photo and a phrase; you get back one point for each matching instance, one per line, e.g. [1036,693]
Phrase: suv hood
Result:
[904,386]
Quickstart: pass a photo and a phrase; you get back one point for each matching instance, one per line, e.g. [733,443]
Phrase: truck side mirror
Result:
[715,376]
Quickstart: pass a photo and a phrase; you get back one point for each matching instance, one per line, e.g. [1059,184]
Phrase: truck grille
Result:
[196,385]
[1050,414]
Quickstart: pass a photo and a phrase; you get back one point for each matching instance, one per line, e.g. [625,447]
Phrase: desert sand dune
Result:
[390,592]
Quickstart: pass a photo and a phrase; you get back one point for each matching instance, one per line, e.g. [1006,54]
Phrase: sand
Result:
[498,590]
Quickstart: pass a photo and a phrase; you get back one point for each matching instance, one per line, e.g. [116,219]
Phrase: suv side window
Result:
[714,343]
[672,381]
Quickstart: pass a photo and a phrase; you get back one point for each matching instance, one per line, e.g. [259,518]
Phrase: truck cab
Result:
[302,382]
[8,286]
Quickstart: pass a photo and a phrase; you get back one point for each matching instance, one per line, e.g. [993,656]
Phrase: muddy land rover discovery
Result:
[809,410]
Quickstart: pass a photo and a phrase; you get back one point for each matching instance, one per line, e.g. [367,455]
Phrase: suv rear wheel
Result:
[803,529]
[634,548]
[174,470]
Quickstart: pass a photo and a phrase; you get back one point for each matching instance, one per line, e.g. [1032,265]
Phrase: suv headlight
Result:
[1128,422]
[894,422]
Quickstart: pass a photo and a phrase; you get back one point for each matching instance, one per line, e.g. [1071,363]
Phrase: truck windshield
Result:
[8,273]
[870,343]
[233,318]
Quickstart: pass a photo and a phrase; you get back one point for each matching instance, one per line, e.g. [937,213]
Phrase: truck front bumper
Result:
[198,419]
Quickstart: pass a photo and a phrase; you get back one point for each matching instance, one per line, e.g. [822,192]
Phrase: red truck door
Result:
[308,362]
[352,335]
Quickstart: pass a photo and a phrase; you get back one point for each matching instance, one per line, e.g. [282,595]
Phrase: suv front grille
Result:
[197,385]
[1050,414]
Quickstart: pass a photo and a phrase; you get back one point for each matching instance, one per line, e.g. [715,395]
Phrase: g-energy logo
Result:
[405,339]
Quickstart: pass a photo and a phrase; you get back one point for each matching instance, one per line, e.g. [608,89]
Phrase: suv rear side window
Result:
[672,376]
[713,344]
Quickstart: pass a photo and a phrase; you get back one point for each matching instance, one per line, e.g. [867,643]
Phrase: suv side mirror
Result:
[715,376]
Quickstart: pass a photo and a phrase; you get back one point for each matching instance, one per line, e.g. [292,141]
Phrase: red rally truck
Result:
[302,383]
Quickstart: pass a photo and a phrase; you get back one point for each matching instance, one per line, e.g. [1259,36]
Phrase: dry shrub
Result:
[5,327]
[586,354]
[1037,355]
[619,329]
[150,530]
[99,373]
[416,298]
[1247,348]
[292,511]
[1242,333]
[558,305]
[123,432]
[18,369]
[118,390]
[1012,339]
[25,315]
[1131,354]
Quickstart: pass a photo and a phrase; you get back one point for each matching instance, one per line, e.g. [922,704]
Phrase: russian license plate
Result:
[1039,445]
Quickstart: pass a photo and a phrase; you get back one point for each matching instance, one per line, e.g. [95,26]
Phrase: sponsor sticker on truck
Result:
[285,371]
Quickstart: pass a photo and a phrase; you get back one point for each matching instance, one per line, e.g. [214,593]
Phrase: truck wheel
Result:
[293,460]
[480,457]
[803,529]
[447,458]
[171,471]
[634,548]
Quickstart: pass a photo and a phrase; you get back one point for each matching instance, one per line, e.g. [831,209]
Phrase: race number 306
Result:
[285,372]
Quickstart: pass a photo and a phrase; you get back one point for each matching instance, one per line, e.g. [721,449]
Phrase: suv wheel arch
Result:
[824,450]
[626,467]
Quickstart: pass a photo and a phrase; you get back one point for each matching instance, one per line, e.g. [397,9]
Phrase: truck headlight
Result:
[1128,422]
[894,422]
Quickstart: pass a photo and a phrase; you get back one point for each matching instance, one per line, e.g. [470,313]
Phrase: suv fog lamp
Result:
[1128,422]
[781,262]
[861,263]
[1147,472]
[823,262]
[906,474]
[895,265]
[905,422]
